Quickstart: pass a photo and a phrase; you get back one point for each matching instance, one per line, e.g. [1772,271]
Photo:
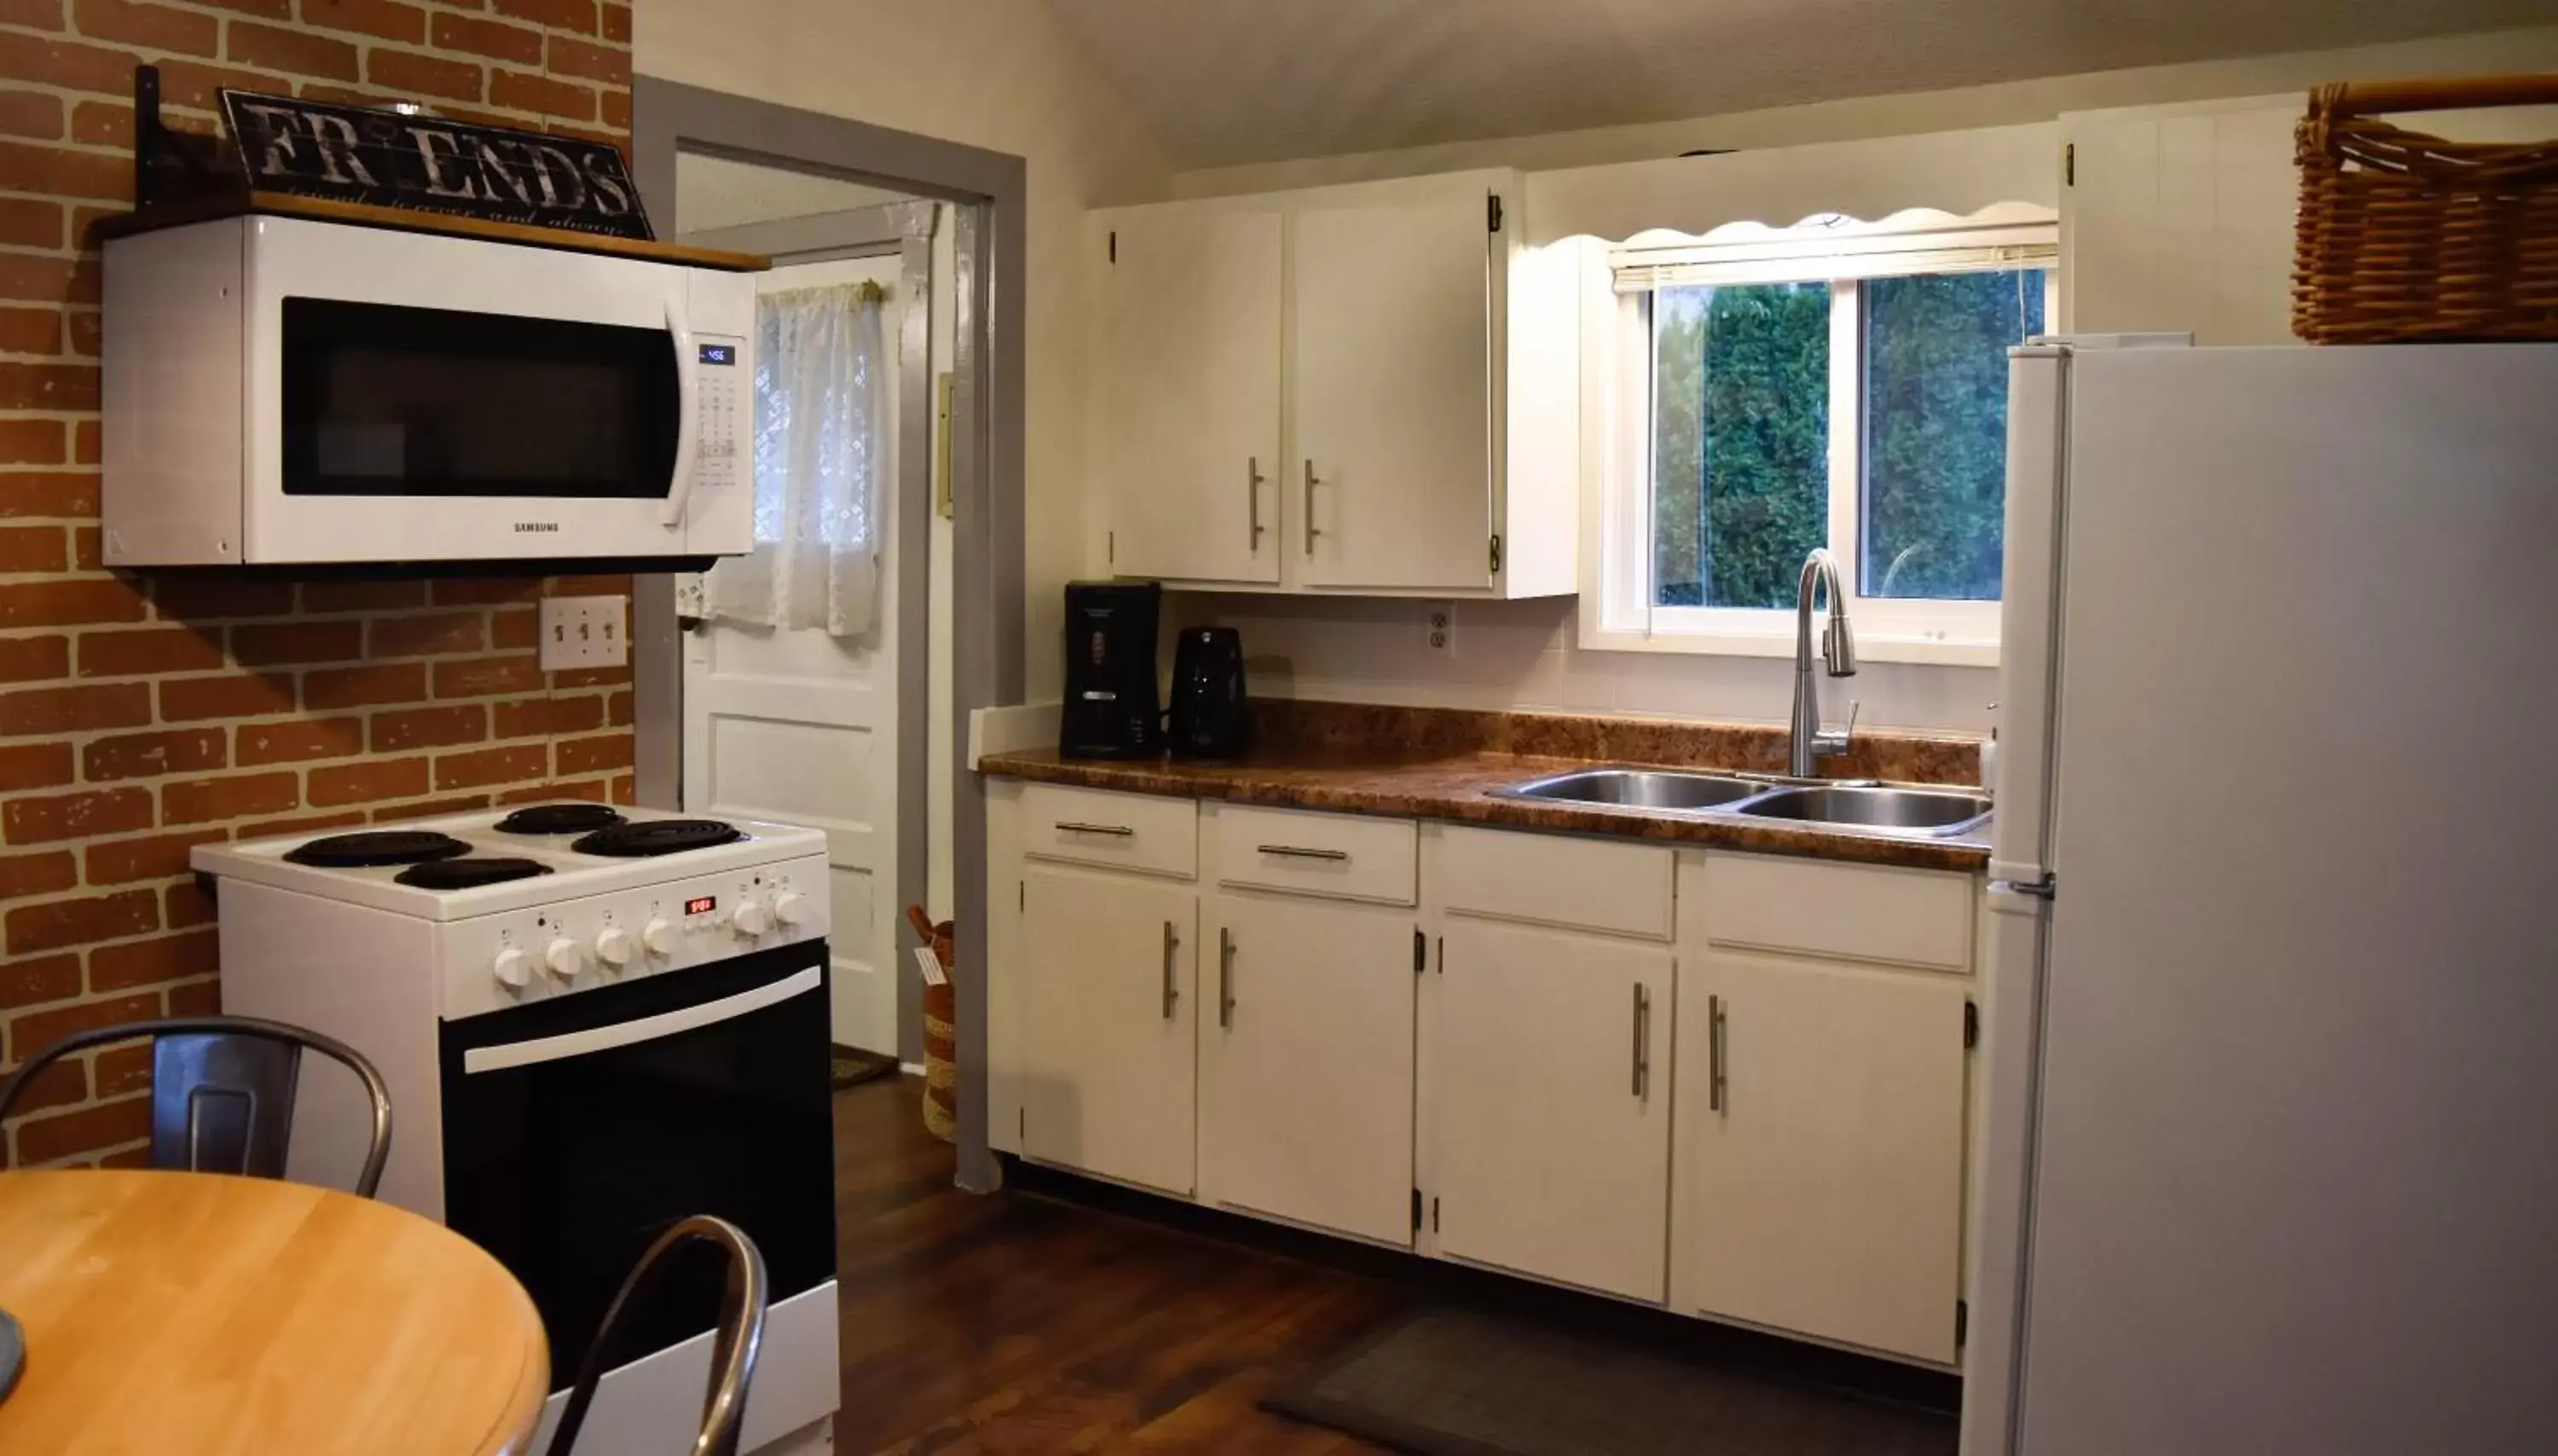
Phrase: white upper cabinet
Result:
[1187,376]
[1350,389]
[2178,219]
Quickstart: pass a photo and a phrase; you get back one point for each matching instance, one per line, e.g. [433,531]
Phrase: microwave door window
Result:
[381,400]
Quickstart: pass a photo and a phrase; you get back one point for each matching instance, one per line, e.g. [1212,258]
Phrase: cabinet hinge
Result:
[1497,556]
[1971,1026]
[1962,1321]
[1493,214]
[1114,246]
[1420,951]
[2070,165]
[1434,1213]
[1416,1210]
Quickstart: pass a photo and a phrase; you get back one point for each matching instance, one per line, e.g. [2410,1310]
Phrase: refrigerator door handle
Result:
[2046,889]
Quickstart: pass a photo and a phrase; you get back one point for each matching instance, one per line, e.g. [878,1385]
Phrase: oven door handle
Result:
[646,1028]
[679,490]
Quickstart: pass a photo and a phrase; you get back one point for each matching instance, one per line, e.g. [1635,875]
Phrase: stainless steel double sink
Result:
[1866,807]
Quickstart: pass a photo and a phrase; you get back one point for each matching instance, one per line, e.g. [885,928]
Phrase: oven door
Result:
[423,398]
[578,1128]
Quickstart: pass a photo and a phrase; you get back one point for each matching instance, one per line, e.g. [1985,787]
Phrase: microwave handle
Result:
[679,490]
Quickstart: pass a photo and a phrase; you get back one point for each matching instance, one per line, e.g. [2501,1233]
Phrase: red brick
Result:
[45,492]
[384,18]
[61,1085]
[425,75]
[232,695]
[35,766]
[491,37]
[70,710]
[491,766]
[154,856]
[54,281]
[34,548]
[43,15]
[88,441]
[26,441]
[515,627]
[29,330]
[214,598]
[192,84]
[619,712]
[485,590]
[57,924]
[88,330]
[149,650]
[612,586]
[123,1069]
[188,904]
[36,114]
[625,789]
[150,755]
[67,63]
[361,687]
[102,124]
[77,816]
[429,808]
[298,51]
[203,800]
[291,742]
[27,222]
[271,9]
[44,979]
[418,636]
[197,998]
[595,754]
[610,65]
[483,677]
[153,27]
[26,166]
[331,641]
[616,110]
[33,659]
[521,90]
[45,872]
[64,1134]
[57,387]
[567,15]
[154,962]
[58,604]
[86,545]
[370,779]
[593,789]
[362,595]
[590,677]
[298,824]
[429,728]
[616,22]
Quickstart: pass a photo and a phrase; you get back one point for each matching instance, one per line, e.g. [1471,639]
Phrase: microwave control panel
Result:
[723,404]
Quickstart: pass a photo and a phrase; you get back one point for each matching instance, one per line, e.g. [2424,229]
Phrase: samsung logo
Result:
[550,526]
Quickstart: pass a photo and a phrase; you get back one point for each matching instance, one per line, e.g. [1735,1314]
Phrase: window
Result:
[1841,386]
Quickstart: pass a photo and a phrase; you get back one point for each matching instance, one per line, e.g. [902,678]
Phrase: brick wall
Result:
[139,716]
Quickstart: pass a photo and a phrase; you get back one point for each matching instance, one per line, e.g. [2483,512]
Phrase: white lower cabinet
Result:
[1108,981]
[1305,1062]
[1550,1104]
[1819,1159]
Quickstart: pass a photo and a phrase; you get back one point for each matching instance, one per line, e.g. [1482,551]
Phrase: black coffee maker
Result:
[1112,706]
[1211,718]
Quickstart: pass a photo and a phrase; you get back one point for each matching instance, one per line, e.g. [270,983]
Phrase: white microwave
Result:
[286,392]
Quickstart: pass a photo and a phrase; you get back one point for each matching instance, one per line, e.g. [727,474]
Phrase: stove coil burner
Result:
[469,872]
[653,837]
[559,819]
[375,848]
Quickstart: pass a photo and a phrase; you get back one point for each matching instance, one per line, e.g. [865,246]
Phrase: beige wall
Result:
[993,74]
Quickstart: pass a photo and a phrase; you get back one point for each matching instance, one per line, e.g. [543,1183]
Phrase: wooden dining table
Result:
[189,1314]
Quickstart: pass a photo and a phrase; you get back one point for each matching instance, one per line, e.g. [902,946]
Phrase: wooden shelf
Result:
[360,215]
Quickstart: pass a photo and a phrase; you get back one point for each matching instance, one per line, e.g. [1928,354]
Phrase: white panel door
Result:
[1390,477]
[1187,393]
[1306,1062]
[1819,1163]
[796,725]
[1108,981]
[1550,1104]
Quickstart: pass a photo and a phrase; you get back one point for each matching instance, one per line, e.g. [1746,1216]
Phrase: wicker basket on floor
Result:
[2405,236]
[940,1030]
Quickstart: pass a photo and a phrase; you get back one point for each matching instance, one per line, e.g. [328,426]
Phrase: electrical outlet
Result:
[584,632]
[1441,628]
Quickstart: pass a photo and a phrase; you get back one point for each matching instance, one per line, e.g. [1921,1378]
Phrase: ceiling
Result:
[1228,81]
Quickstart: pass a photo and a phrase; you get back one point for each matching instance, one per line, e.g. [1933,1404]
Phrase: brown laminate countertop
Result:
[1454,783]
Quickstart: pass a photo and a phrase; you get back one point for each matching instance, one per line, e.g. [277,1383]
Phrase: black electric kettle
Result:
[1211,715]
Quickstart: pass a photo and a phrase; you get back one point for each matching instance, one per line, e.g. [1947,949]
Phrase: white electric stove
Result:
[593,1023]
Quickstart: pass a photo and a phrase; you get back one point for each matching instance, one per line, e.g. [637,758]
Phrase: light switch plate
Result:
[585,631]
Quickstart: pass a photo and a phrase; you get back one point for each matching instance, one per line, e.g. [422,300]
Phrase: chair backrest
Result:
[222,1090]
[735,1340]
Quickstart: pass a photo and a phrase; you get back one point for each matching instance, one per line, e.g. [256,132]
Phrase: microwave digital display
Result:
[701,904]
[719,354]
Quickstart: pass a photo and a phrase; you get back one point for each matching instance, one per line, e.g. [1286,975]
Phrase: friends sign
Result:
[425,164]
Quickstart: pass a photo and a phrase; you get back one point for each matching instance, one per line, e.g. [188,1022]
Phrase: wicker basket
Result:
[940,1030]
[2405,236]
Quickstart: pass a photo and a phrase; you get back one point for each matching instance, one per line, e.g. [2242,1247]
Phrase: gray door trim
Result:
[986,473]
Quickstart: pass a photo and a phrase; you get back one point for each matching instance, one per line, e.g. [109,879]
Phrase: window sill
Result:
[1870,646]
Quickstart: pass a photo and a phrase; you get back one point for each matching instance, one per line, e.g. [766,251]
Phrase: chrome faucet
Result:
[1809,741]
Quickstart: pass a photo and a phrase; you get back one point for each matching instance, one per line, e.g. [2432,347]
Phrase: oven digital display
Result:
[701,904]
[719,354]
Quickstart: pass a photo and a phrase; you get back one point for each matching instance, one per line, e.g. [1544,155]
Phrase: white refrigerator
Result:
[2269,1159]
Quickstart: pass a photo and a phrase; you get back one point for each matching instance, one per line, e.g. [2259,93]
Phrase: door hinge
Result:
[1971,1026]
[1416,1210]
[1493,214]
[1420,951]
[1497,556]
[2070,165]
[1114,246]
[1434,1213]
[1962,1321]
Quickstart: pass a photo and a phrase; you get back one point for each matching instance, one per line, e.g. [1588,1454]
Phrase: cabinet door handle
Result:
[1172,973]
[1225,977]
[1116,831]
[1252,478]
[1714,1053]
[1311,532]
[1291,852]
[1642,1041]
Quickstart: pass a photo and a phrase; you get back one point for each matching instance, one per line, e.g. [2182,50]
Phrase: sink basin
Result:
[1635,788]
[1921,811]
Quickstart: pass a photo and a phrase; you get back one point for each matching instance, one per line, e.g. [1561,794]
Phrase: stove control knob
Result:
[564,958]
[513,968]
[660,937]
[788,908]
[750,919]
[613,946]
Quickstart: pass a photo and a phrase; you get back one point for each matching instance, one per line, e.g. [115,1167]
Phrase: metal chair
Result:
[222,1090]
[735,1341]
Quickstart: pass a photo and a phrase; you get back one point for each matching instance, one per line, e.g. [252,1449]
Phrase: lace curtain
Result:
[820,419]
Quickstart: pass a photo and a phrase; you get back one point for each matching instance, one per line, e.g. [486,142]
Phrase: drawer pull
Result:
[1291,852]
[1172,973]
[1225,977]
[1642,1041]
[1116,831]
[1714,1053]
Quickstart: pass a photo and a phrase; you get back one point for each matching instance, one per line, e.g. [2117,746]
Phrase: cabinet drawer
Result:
[1591,884]
[1137,832]
[1861,912]
[1341,855]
